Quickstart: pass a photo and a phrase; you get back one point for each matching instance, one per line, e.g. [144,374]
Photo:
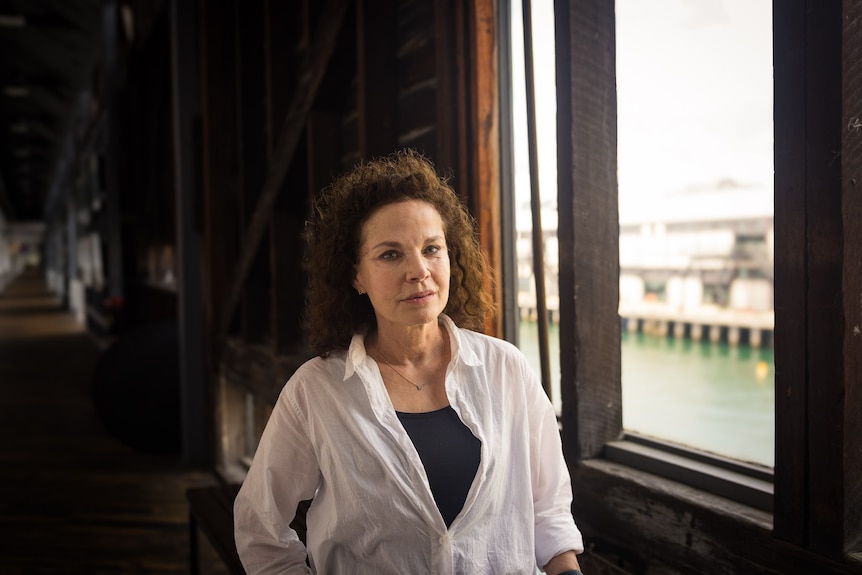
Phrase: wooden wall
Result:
[292,94]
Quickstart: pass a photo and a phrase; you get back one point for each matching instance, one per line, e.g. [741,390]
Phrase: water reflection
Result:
[712,396]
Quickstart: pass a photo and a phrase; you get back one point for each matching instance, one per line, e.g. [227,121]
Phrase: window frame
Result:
[818,455]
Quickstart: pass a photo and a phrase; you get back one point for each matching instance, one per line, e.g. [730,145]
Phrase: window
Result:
[694,97]
[672,264]
[695,281]
[543,113]
[816,255]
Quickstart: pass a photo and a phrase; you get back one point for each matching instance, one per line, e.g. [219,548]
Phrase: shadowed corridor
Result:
[74,499]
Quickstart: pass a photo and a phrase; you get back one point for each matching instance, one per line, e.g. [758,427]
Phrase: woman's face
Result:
[404,264]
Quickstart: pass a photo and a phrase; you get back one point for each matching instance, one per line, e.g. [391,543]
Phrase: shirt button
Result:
[444,539]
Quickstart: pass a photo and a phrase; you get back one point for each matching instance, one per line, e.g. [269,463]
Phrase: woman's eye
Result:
[390,255]
[433,250]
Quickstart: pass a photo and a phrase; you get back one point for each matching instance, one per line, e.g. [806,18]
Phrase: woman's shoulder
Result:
[502,364]
[487,346]
[488,341]
[316,373]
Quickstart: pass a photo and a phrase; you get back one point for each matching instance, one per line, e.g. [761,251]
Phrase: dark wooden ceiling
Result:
[47,50]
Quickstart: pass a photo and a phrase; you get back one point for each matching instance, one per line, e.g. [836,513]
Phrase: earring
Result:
[360,291]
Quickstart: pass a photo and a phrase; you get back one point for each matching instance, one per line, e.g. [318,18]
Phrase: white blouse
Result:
[334,436]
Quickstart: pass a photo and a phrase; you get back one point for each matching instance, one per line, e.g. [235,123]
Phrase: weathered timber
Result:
[417,115]
[791,455]
[676,529]
[416,64]
[588,227]
[257,368]
[286,35]
[325,37]
[483,130]
[467,124]
[196,400]
[448,82]
[211,511]
[220,172]
[376,49]
[252,119]
[825,324]
[418,80]
[851,182]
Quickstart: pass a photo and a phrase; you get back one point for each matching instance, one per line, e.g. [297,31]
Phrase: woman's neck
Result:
[412,345]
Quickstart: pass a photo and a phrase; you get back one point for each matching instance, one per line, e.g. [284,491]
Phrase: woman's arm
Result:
[561,563]
[283,473]
[556,535]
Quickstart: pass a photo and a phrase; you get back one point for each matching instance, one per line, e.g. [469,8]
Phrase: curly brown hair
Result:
[334,311]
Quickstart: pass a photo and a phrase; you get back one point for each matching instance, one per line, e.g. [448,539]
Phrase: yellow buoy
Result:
[761,370]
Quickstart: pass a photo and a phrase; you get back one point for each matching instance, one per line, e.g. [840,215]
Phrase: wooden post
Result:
[190,311]
[851,183]
[219,141]
[112,152]
[588,227]
[253,155]
[485,154]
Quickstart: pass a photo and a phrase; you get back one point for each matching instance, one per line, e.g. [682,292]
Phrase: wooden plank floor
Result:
[72,498]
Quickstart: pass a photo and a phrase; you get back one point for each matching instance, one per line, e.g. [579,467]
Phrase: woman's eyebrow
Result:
[386,244]
[394,244]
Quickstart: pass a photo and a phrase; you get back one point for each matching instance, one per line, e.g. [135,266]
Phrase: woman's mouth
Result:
[420,297]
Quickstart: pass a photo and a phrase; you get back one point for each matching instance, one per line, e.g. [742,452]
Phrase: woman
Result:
[426,447]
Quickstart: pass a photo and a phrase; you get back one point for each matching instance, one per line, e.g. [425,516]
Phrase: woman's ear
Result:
[357,285]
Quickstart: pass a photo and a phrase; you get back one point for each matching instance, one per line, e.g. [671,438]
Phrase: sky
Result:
[694,97]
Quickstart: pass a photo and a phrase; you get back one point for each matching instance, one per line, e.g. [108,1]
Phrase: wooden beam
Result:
[791,386]
[219,139]
[377,102]
[851,182]
[325,37]
[588,227]
[811,383]
[648,524]
[220,182]
[258,369]
[485,144]
[113,216]
[195,401]
[447,128]
[251,74]
[467,123]
[825,325]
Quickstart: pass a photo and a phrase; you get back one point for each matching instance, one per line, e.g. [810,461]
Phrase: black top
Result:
[450,453]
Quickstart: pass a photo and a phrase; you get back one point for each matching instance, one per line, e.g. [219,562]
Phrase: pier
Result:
[733,326]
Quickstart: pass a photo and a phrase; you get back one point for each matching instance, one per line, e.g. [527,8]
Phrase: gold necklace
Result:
[404,377]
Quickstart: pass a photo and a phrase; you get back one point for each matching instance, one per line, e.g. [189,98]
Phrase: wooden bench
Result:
[211,511]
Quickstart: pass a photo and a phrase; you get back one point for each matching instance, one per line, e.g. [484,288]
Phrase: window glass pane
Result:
[695,156]
[546,111]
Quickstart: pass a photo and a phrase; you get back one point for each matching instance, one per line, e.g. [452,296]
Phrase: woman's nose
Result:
[417,269]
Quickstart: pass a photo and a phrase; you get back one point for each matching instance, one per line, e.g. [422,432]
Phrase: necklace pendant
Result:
[419,387]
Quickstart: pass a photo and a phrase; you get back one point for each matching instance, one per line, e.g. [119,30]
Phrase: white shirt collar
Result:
[461,349]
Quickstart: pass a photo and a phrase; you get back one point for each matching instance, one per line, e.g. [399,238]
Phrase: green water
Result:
[714,397]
